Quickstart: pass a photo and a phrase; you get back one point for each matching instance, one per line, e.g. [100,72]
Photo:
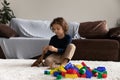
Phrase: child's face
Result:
[57,29]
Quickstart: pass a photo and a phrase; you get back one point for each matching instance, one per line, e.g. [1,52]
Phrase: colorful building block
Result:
[101,69]
[83,64]
[61,68]
[71,76]
[47,72]
[75,71]
[71,71]
[69,66]
[79,66]
[56,73]
[59,77]
[88,73]
[82,70]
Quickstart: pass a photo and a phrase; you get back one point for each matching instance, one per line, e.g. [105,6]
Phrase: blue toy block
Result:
[88,74]
[101,69]
[56,73]
[75,68]
[69,66]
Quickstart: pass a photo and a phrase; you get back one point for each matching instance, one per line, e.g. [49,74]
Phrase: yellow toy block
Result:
[71,76]
[61,68]
[79,66]
[53,70]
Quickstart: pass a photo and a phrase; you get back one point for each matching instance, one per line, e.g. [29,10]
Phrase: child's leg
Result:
[39,60]
[53,60]
[69,52]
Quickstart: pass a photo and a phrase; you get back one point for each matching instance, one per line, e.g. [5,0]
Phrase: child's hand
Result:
[52,48]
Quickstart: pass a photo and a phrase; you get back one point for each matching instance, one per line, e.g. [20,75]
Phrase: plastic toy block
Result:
[52,71]
[88,74]
[101,69]
[75,68]
[79,66]
[89,69]
[75,71]
[69,66]
[82,70]
[56,74]
[71,71]
[63,73]
[105,72]
[95,74]
[83,64]
[83,75]
[47,72]
[99,75]
[104,75]
[71,76]
[61,68]
[59,77]
[95,71]
[78,74]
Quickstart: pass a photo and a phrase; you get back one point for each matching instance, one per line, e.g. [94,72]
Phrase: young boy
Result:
[60,49]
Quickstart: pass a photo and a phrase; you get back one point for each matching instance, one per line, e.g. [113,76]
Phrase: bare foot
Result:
[36,63]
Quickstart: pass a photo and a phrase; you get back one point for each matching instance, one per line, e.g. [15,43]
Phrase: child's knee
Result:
[72,46]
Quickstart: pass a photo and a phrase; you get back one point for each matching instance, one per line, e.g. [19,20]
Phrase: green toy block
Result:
[59,77]
[99,76]
[82,70]
[47,72]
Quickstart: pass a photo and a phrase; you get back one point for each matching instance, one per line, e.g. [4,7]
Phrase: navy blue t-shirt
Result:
[61,44]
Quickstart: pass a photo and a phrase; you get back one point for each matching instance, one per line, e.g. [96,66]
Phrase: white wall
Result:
[71,10]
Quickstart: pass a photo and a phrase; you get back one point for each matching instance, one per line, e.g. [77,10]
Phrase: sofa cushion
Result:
[94,29]
[40,28]
[73,30]
[6,31]
[31,28]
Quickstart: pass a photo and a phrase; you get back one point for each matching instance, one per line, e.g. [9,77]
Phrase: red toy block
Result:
[96,74]
[104,75]
[63,73]
[71,71]
[83,64]
[83,75]
[78,75]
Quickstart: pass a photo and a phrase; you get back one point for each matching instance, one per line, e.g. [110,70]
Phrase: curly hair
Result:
[61,22]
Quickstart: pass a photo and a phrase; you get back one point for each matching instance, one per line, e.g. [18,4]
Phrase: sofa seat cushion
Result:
[96,49]
[93,29]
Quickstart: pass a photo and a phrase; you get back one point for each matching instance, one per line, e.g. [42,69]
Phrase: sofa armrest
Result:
[7,32]
[96,49]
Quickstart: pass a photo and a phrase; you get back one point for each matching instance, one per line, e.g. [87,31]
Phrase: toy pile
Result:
[75,71]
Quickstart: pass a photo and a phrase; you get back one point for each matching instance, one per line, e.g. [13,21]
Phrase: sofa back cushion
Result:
[31,28]
[94,29]
[40,28]
[6,31]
